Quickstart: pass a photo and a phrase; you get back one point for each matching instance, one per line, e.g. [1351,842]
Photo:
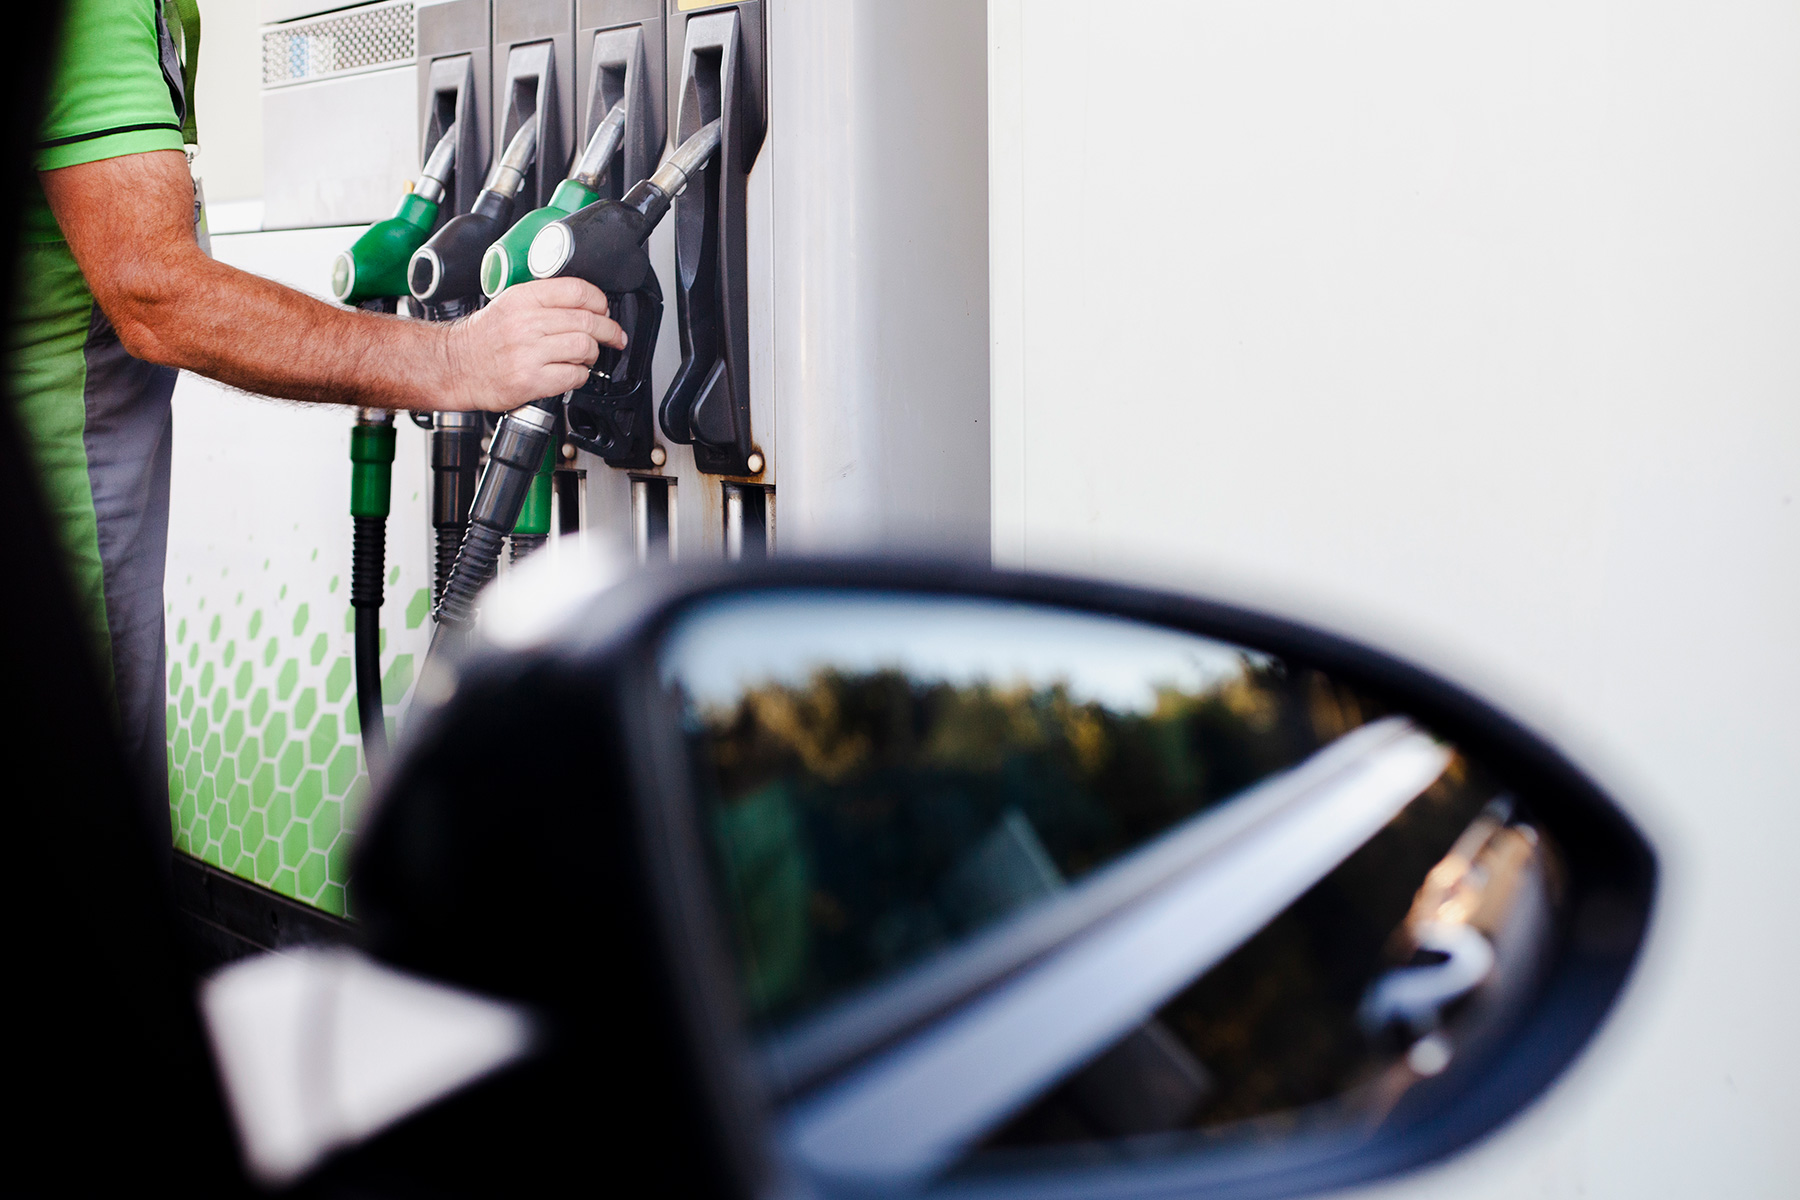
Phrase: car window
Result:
[1373,980]
[884,776]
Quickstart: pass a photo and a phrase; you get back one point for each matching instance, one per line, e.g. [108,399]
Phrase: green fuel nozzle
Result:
[604,242]
[504,264]
[448,266]
[374,267]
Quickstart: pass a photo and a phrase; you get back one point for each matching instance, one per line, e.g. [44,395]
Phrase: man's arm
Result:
[129,222]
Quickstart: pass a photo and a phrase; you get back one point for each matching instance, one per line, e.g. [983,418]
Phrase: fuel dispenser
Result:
[445,280]
[685,425]
[531,64]
[821,181]
[372,272]
[648,429]
[445,272]
[504,263]
[616,476]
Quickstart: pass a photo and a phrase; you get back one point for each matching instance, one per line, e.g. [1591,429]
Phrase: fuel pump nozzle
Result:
[447,267]
[504,263]
[374,267]
[604,242]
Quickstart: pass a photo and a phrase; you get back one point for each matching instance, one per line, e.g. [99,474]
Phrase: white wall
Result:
[228,91]
[877,150]
[1473,329]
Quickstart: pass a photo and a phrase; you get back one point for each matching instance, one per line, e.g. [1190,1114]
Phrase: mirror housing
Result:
[540,839]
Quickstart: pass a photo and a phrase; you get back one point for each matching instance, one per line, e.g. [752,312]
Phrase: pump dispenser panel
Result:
[621,56]
[455,64]
[534,72]
[718,71]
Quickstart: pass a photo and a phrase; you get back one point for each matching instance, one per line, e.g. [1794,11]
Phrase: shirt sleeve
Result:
[109,95]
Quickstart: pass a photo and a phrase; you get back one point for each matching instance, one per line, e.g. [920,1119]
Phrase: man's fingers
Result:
[569,348]
[562,293]
[559,378]
[610,333]
[552,321]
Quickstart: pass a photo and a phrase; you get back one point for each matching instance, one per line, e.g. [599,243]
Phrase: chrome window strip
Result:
[913,1110]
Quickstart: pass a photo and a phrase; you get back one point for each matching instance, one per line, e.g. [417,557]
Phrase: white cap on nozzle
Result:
[550,250]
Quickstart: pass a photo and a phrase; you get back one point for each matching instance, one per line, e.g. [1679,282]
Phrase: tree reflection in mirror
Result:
[919,803]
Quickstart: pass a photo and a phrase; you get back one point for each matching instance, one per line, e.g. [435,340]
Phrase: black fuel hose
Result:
[514,457]
[368,560]
[455,461]
[371,486]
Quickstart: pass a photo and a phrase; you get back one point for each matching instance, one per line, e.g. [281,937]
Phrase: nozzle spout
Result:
[600,149]
[437,167]
[672,177]
[509,174]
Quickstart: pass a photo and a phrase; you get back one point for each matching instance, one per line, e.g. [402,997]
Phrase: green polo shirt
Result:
[97,420]
[110,95]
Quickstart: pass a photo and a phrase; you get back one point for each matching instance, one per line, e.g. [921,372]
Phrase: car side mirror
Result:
[936,877]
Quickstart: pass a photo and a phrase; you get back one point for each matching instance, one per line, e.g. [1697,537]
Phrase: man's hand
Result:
[535,339]
[130,224]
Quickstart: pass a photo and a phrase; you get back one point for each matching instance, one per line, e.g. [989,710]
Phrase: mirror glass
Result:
[1006,882]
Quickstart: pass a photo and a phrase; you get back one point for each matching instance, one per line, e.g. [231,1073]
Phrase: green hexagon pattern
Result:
[261,783]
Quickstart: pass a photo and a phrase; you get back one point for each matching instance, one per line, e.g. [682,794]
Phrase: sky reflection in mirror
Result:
[784,637]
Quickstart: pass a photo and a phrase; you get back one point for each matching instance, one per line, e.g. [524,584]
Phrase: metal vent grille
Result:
[379,35]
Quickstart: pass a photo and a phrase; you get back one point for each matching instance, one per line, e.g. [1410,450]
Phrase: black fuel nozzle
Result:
[604,242]
[448,266]
[611,415]
[514,457]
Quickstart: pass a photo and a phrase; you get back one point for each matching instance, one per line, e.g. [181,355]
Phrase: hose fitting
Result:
[518,449]
[455,463]
[532,529]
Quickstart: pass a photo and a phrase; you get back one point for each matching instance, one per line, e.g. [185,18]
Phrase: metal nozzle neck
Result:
[437,167]
[509,174]
[687,159]
[601,148]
